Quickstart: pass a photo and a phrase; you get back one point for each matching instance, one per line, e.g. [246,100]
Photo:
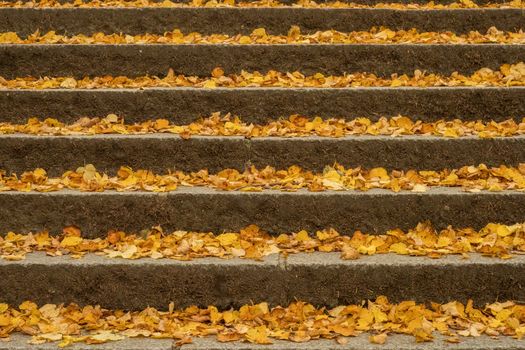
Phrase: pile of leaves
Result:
[260,324]
[507,75]
[293,126]
[87,178]
[494,240]
[259,3]
[260,36]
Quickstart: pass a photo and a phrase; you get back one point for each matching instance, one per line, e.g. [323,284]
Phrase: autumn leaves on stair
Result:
[272,173]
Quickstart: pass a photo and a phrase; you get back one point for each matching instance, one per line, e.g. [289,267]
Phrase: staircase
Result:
[319,278]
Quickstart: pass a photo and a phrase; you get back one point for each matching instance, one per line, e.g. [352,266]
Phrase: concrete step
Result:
[361,342]
[136,284]
[159,152]
[258,105]
[244,20]
[20,342]
[207,210]
[201,59]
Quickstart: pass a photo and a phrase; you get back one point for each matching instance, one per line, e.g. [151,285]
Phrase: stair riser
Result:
[125,284]
[137,60]
[209,210]
[183,106]
[160,153]
[242,20]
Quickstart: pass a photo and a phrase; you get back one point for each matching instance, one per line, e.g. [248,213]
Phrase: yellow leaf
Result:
[209,84]
[227,238]
[258,335]
[129,252]
[71,241]
[399,248]
[380,173]
[259,32]
[378,339]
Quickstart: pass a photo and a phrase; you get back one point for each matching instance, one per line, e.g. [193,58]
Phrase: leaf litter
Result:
[376,35]
[294,126]
[335,178]
[507,75]
[262,324]
[493,240]
[259,3]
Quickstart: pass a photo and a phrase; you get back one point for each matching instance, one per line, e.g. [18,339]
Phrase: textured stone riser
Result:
[201,209]
[136,284]
[138,60]
[244,20]
[58,154]
[183,106]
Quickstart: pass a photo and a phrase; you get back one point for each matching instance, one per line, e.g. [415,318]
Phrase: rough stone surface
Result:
[183,105]
[161,152]
[156,59]
[20,342]
[361,342]
[242,20]
[402,278]
[136,284]
[202,209]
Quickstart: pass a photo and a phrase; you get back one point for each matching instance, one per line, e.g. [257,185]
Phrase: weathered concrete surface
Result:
[156,59]
[160,152]
[20,342]
[136,284]
[258,105]
[244,20]
[202,209]
[361,342]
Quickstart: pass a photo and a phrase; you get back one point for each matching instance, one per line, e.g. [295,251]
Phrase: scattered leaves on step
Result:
[494,240]
[259,3]
[294,126]
[336,177]
[260,324]
[376,35]
[507,75]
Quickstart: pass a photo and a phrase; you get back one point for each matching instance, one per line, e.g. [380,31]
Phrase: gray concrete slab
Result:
[361,342]
[394,342]
[159,152]
[20,342]
[318,278]
[244,20]
[184,105]
[156,59]
[202,209]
